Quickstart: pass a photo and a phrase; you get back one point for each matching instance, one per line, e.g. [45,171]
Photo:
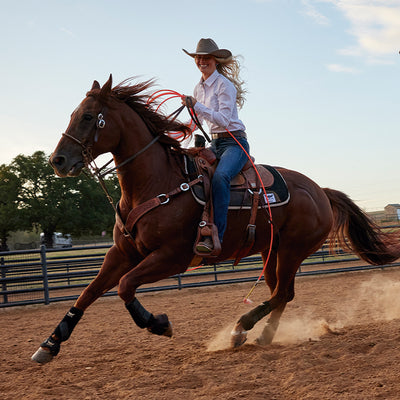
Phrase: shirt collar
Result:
[211,79]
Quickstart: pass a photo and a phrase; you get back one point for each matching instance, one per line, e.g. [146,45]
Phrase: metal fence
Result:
[49,275]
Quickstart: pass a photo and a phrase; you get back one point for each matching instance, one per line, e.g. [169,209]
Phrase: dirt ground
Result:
[338,339]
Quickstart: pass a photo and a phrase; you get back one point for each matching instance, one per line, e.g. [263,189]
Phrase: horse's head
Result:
[87,135]
[119,120]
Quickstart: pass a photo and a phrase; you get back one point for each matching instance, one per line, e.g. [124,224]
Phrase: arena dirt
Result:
[338,339]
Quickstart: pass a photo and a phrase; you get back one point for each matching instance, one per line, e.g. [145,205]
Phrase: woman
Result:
[216,100]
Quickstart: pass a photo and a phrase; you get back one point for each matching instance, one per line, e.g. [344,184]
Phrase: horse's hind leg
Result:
[271,326]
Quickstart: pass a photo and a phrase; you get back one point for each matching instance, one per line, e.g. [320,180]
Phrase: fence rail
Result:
[48,275]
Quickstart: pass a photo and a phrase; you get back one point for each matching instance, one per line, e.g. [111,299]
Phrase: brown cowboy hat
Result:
[209,47]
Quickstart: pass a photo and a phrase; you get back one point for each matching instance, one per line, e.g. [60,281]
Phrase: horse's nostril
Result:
[58,161]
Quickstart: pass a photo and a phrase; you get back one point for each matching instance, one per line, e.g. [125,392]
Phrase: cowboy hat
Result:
[209,47]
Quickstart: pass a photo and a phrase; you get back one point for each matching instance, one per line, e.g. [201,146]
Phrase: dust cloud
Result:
[374,300]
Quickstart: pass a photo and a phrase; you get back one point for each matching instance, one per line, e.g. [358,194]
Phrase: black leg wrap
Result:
[159,324]
[52,345]
[67,325]
[140,315]
[252,317]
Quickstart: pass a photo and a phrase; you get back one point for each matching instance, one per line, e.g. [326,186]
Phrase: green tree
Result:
[47,202]
[10,215]
[95,212]
[69,205]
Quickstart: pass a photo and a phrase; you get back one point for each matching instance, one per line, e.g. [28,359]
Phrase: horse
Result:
[150,169]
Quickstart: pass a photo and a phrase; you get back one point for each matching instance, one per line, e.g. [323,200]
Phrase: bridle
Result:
[87,150]
[100,173]
[97,173]
[90,164]
[100,124]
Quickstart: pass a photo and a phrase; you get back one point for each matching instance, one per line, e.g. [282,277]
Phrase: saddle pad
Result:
[241,198]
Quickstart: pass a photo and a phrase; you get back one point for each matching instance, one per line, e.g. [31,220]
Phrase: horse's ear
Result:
[96,85]
[106,89]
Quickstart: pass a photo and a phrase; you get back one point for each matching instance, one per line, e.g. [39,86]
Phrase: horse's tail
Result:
[355,230]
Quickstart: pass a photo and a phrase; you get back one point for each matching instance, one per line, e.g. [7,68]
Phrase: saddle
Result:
[199,168]
[246,193]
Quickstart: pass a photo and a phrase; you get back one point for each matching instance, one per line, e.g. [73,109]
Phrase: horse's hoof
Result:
[42,356]
[161,326]
[168,331]
[264,340]
[268,333]
[239,336]
[261,341]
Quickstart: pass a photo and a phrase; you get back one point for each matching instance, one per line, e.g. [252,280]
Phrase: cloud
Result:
[68,32]
[342,68]
[373,23]
[312,12]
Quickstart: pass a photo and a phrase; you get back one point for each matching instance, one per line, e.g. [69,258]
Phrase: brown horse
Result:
[150,167]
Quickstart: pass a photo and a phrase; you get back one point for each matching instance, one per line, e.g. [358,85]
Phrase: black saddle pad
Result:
[278,194]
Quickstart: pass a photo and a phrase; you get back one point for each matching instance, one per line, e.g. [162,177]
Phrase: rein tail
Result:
[355,230]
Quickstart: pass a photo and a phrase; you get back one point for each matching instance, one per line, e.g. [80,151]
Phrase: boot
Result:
[206,245]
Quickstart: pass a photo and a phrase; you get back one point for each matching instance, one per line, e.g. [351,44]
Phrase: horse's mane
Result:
[136,98]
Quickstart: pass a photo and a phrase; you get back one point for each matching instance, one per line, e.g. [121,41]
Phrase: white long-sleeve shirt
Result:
[216,104]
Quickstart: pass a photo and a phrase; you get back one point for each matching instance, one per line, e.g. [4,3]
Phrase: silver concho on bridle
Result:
[100,121]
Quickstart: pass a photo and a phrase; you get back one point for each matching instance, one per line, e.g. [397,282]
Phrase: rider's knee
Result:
[220,178]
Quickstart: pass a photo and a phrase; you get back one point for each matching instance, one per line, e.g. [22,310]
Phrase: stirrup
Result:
[207,243]
[205,246]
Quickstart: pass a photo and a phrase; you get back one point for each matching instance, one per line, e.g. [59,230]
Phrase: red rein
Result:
[172,95]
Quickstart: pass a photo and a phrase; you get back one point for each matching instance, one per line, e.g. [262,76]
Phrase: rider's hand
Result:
[188,101]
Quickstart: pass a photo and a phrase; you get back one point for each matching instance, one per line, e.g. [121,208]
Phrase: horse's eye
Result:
[87,117]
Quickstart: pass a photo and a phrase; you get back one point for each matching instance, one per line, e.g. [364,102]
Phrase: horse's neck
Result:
[154,172]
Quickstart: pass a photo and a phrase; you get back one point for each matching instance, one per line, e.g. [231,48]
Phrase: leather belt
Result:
[237,134]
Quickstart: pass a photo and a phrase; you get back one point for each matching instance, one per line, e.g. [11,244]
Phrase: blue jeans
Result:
[231,160]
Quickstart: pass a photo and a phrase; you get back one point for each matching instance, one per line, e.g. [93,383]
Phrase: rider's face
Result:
[206,64]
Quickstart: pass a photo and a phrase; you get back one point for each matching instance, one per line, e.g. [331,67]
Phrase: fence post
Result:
[4,284]
[179,281]
[43,260]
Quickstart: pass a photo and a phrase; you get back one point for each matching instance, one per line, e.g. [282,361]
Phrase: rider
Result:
[216,100]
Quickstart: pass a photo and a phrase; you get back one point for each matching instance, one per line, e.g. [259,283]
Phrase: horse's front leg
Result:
[158,265]
[113,267]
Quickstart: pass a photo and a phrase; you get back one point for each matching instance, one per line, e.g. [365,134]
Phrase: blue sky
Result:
[322,76]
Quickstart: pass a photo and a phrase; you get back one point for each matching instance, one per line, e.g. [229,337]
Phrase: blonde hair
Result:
[230,69]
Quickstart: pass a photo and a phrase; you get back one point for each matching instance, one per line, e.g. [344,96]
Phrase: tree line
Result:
[33,197]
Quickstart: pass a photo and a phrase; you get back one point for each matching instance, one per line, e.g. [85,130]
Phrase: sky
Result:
[321,76]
